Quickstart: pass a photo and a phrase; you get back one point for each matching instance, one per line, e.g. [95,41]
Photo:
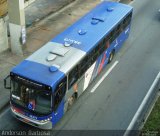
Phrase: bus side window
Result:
[120,27]
[104,41]
[111,36]
[59,93]
[127,20]
[95,55]
[92,57]
[83,66]
[115,33]
[73,76]
[124,23]
[96,52]
[107,42]
[102,46]
[118,30]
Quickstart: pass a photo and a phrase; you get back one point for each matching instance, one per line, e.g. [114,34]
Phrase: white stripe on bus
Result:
[88,76]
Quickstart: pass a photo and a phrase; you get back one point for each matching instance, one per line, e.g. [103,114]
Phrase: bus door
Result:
[58,101]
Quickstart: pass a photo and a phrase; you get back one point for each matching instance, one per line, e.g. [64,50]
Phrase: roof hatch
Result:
[94,22]
[110,9]
[99,18]
[61,51]
[51,57]
[68,44]
[82,32]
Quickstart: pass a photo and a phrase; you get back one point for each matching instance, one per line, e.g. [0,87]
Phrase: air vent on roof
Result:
[94,22]
[61,51]
[68,44]
[82,32]
[54,68]
[51,57]
[110,9]
[99,18]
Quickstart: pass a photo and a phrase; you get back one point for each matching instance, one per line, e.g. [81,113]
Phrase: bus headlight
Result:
[46,120]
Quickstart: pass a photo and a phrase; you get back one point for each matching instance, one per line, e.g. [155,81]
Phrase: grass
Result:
[153,121]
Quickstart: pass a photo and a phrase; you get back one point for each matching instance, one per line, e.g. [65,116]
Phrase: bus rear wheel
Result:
[111,56]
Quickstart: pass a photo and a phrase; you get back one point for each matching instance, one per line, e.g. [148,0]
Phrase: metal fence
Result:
[144,109]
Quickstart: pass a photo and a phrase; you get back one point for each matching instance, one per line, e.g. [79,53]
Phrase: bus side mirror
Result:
[5,82]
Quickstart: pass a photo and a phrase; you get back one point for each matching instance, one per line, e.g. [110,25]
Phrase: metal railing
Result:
[143,110]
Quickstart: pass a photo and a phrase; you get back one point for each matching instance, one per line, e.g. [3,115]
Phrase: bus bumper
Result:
[35,123]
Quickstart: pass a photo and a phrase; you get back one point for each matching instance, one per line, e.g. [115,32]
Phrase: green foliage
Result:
[153,122]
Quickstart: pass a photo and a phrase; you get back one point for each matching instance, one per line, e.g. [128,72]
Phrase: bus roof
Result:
[91,28]
[54,60]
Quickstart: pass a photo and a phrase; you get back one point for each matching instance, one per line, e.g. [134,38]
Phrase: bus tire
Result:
[111,56]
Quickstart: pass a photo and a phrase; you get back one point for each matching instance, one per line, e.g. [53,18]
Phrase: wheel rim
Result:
[111,57]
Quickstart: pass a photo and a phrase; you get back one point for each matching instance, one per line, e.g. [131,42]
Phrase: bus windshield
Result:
[32,99]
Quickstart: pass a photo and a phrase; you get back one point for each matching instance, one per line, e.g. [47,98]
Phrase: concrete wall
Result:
[3,35]
[15,31]
[16,23]
[16,12]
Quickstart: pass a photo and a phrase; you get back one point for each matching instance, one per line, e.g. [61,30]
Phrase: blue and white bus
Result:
[46,84]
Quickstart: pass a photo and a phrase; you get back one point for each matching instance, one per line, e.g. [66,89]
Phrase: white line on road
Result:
[132,123]
[104,76]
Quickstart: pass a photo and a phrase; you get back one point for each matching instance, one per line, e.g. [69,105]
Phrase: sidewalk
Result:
[42,8]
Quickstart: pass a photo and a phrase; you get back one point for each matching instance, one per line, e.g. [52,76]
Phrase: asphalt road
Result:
[114,103]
